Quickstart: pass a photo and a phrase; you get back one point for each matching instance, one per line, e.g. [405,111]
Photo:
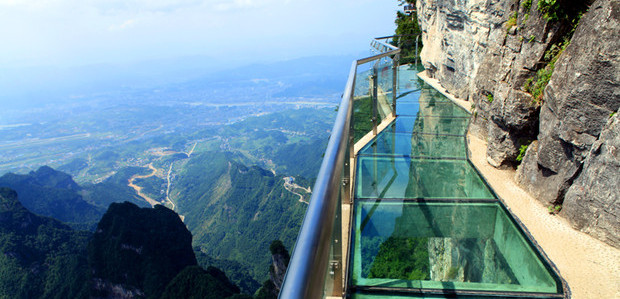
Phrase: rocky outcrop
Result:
[488,51]
[591,203]
[138,251]
[575,161]
[279,258]
[487,60]
[583,91]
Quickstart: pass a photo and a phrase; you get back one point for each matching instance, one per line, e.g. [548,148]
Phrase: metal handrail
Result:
[310,259]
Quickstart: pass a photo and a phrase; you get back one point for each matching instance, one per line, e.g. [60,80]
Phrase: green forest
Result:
[145,252]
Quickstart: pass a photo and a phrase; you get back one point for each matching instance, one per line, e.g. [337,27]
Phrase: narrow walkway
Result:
[590,267]
[425,222]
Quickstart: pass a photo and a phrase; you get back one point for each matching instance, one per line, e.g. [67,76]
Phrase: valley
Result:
[237,172]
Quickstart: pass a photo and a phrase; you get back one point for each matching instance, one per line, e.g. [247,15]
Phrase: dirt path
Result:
[138,189]
[590,267]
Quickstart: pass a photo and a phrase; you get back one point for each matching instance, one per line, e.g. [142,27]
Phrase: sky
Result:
[69,33]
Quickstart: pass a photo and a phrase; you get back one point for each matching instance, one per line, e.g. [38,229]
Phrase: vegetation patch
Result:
[402,258]
[522,151]
[551,10]
[490,97]
[554,209]
[512,21]
[536,85]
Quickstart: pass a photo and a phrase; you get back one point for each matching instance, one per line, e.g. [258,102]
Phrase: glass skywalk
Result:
[425,224]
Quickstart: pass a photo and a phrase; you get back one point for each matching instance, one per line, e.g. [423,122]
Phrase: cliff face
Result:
[489,52]
[136,251]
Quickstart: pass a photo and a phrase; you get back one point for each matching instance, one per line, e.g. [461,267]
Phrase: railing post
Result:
[374,98]
[394,83]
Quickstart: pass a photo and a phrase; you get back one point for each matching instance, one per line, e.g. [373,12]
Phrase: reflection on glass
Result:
[444,245]
[408,78]
[424,95]
[416,145]
[430,125]
[430,108]
[404,177]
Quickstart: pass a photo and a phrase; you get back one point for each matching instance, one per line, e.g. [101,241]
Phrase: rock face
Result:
[583,91]
[591,203]
[485,52]
[280,258]
[455,37]
[468,47]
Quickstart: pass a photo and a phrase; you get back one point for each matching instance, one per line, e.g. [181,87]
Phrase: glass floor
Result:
[425,223]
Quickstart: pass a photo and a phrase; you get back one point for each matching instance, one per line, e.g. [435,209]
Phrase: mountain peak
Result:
[49,177]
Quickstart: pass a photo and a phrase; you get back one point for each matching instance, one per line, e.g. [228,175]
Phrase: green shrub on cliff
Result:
[407,27]
[551,9]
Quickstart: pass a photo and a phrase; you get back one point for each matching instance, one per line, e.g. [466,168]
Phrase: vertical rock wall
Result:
[455,37]
[583,92]
[485,51]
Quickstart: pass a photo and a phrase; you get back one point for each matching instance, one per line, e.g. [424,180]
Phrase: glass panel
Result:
[408,79]
[362,102]
[430,108]
[416,145]
[432,125]
[404,177]
[384,72]
[388,295]
[423,95]
[333,277]
[444,245]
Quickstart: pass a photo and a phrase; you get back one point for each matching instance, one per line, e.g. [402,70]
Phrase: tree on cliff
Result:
[407,27]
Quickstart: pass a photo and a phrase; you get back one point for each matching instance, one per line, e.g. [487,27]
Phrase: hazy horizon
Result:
[61,49]
[63,33]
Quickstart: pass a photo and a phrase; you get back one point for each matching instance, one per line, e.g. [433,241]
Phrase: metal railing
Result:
[318,249]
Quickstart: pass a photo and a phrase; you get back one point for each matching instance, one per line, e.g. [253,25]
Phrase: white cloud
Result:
[124,25]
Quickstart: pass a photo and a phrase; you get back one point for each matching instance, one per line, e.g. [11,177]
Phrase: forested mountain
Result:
[40,257]
[134,253]
[237,191]
[235,211]
[53,193]
[139,251]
